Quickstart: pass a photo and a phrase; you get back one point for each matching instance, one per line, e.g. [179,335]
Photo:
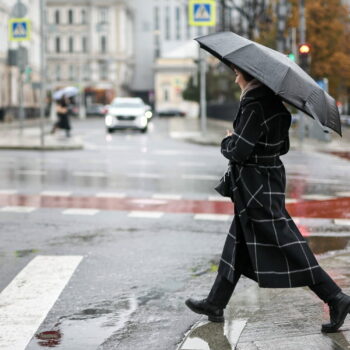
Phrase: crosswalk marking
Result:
[146,214]
[147,175]
[213,217]
[56,193]
[15,209]
[74,211]
[316,197]
[167,196]
[219,199]
[8,192]
[110,195]
[343,194]
[342,222]
[26,301]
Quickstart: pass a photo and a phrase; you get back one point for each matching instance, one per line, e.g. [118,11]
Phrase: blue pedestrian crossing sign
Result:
[202,13]
[19,29]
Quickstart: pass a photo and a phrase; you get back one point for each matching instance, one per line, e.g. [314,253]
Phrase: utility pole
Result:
[42,71]
[203,98]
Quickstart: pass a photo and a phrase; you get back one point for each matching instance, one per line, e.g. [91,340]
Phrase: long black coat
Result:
[278,254]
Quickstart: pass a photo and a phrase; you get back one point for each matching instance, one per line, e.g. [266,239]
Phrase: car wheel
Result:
[110,130]
[144,130]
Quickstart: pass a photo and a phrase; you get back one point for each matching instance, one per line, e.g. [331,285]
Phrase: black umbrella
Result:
[276,71]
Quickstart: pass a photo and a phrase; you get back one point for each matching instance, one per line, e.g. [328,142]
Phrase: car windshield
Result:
[127,104]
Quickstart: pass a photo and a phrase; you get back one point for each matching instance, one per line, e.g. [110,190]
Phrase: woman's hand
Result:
[228,132]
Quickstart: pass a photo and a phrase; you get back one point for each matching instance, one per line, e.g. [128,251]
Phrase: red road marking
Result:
[332,208]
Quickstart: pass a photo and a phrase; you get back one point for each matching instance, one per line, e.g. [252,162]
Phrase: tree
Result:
[327,31]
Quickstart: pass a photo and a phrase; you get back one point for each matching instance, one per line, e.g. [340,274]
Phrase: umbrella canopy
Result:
[68,91]
[278,72]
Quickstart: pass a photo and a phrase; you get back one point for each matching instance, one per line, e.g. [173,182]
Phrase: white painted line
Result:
[31,172]
[314,180]
[166,196]
[89,174]
[142,162]
[343,194]
[316,197]
[110,195]
[74,211]
[219,199]
[200,177]
[213,217]
[233,330]
[291,200]
[147,175]
[149,201]
[26,301]
[14,209]
[184,134]
[8,192]
[342,222]
[56,193]
[146,214]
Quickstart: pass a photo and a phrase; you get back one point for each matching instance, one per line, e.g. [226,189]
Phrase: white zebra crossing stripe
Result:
[166,196]
[56,193]
[14,209]
[146,214]
[74,211]
[219,199]
[213,217]
[110,195]
[8,192]
[26,301]
[342,222]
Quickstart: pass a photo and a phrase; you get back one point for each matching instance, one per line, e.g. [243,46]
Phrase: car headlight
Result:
[148,114]
[109,120]
[143,121]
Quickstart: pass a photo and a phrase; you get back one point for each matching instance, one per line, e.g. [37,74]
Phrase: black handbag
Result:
[225,185]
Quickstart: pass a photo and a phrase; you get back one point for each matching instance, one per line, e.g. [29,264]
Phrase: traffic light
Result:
[291,56]
[304,56]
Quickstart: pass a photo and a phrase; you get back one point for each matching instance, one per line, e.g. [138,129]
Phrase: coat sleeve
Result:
[239,146]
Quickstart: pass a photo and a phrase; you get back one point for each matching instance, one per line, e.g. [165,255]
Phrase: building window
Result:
[58,45]
[178,24]
[103,70]
[58,72]
[70,17]
[57,17]
[167,23]
[103,45]
[83,16]
[103,14]
[86,72]
[71,72]
[156,18]
[84,44]
[71,44]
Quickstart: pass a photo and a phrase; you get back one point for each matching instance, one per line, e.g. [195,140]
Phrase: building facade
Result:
[90,44]
[160,27]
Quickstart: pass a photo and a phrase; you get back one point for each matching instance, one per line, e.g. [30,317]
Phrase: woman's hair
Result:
[246,76]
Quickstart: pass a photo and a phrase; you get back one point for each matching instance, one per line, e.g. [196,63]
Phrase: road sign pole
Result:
[203,97]
[21,112]
[42,72]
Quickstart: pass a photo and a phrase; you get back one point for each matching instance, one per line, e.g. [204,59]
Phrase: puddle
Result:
[321,245]
[88,328]
[25,252]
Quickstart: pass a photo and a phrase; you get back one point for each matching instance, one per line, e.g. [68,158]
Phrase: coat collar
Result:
[256,94]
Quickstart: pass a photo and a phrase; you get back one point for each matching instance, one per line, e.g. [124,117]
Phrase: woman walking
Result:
[62,110]
[263,242]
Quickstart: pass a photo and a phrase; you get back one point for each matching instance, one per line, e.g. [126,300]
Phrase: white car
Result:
[128,113]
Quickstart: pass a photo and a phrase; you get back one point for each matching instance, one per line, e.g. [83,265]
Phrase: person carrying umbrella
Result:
[263,243]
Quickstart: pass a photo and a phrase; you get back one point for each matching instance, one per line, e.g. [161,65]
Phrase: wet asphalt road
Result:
[129,290]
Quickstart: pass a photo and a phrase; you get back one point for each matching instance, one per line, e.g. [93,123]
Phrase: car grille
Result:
[126,117]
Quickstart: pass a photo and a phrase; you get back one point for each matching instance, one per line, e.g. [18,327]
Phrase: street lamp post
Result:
[42,71]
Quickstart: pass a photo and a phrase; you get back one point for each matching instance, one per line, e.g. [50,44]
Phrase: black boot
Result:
[203,307]
[339,307]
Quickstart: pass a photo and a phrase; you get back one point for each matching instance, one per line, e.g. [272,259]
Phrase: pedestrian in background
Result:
[263,242]
[62,111]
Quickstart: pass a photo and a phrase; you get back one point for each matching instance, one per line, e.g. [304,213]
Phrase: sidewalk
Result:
[190,130]
[275,319]
[30,140]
